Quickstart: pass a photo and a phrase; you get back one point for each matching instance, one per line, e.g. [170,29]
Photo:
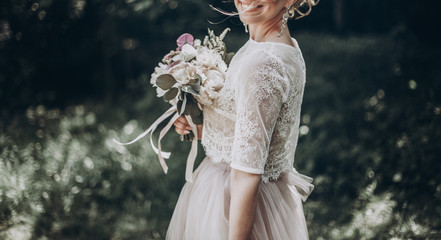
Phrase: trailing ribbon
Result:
[166,155]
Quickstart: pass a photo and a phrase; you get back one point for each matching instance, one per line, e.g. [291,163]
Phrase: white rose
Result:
[210,58]
[215,80]
[204,98]
[188,52]
[211,85]
[221,64]
[204,57]
[183,73]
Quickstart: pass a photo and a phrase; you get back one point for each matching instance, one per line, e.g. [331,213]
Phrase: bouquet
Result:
[192,75]
[189,78]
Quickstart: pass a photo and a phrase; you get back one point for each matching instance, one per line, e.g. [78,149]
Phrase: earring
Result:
[246,27]
[285,18]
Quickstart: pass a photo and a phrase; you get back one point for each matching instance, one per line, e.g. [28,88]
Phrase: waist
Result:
[218,164]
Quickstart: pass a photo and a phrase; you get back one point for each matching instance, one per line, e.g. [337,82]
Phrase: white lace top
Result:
[253,124]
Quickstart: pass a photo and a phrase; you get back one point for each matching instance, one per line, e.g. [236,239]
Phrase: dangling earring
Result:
[246,27]
[285,18]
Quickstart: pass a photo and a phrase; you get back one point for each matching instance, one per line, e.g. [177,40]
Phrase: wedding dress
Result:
[251,126]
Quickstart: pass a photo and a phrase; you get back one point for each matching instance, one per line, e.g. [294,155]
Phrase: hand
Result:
[182,127]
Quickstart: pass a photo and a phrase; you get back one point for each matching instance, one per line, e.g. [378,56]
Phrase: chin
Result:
[249,20]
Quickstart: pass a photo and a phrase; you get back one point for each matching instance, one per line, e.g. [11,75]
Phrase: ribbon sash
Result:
[301,182]
[166,155]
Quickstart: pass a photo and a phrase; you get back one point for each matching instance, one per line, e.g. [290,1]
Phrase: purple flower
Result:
[183,39]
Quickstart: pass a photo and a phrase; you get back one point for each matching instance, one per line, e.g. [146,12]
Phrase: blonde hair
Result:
[302,3]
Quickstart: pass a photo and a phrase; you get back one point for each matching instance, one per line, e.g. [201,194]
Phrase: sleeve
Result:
[260,92]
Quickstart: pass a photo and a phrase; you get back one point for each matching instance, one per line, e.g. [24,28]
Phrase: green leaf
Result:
[191,98]
[179,105]
[170,94]
[183,105]
[165,81]
[196,79]
[197,85]
[228,57]
[189,89]
[192,109]
[193,81]
[198,120]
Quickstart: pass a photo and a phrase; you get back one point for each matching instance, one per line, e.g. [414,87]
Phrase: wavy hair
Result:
[299,4]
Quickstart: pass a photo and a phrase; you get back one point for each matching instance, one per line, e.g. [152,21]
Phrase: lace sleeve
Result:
[259,97]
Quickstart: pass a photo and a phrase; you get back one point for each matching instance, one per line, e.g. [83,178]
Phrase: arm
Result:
[259,96]
[243,203]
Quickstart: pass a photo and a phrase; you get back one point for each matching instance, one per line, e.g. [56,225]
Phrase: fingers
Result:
[182,119]
[181,126]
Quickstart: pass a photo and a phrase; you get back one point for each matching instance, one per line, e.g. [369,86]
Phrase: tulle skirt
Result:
[202,211]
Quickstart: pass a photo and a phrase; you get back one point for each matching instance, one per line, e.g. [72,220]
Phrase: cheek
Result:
[236,4]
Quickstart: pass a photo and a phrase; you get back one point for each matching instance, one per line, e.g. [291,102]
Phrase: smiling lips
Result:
[253,5]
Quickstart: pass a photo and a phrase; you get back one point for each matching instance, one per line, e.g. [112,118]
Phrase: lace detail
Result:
[253,125]
[216,140]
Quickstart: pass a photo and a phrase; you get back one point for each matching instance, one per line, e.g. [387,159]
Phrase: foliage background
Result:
[74,74]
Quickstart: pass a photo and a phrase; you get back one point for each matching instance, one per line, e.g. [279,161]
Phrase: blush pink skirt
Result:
[202,211]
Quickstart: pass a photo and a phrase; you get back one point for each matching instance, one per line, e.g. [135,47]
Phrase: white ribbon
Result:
[161,135]
[166,155]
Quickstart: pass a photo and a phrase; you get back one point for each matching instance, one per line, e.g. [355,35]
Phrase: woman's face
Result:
[261,12]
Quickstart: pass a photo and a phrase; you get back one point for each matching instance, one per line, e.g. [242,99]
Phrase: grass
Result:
[369,142]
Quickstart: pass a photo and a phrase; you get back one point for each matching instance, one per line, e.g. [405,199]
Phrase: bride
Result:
[246,187]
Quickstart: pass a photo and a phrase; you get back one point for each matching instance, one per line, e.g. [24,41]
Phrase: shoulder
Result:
[263,72]
[263,63]
[280,62]
[263,54]
[279,49]
[278,56]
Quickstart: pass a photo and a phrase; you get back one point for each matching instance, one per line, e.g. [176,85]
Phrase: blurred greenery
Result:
[74,75]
